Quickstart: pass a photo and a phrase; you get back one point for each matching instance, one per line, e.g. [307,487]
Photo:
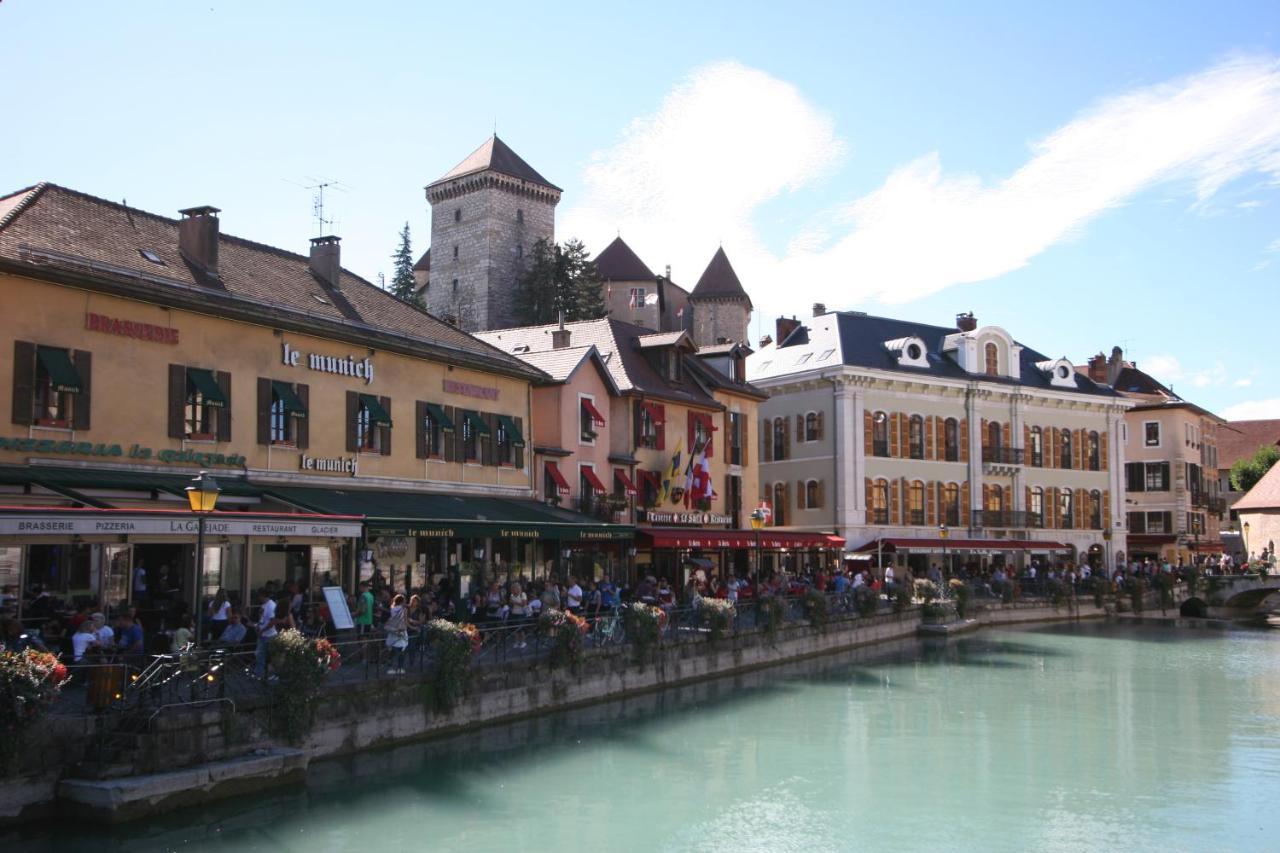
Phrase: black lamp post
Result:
[757,521]
[943,533]
[202,495]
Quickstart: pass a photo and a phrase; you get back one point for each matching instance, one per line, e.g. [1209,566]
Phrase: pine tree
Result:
[582,283]
[559,278]
[402,281]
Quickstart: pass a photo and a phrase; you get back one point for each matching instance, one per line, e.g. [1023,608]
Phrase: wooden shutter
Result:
[1006,502]
[1026,444]
[822,494]
[660,413]
[420,429]
[894,500]
[928,438]
[353,411]
[264,407]
[384,433]
[1055,448]
[786,501]
[24,382]
[965,517]
[517,452]
[709,422]
[869,501]
[1051,508]
[489,443]
[930,504]
[904,438]
[1106,509]
[745,439]
[786,438]
[893,435]
[83,405]
[1077,448]
[637,409]
[177,401]
[1164,476]
[1026,502]
[302,426]
[986,435]
[1006,431]
[766,440]
[450,439]
[1078,505]
[1102,450]
[986,497]
[224,414]
[821,428]
[868,435]
[800,433]
[964,439]
[801,495]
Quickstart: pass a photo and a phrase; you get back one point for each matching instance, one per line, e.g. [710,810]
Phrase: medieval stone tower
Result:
[721,307]
[486,215]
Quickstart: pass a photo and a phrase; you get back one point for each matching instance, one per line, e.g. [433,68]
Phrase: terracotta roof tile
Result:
[1264,495]
[1240,439]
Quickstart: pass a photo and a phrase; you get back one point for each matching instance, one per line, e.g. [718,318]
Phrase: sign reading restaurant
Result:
[696,519]
[342,366]
[98,524]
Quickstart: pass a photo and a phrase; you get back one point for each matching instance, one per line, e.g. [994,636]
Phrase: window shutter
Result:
[800,434]
[964,439]
[868,435]
[82,407]
[986,496]
[894,514]
[224,414]
[636,409]
[822,494]
[264,407]
[893,435]
[928,438]
[1006,502]
[691,419]
[384,433]
[869,500]
[709,422]
[766,440]
[1026,502]
[786,500]
[1164,476]
[177,401]
[964,503]
[1006,431]
[451,439]
[661,413]
[800,495]
[1051,508]
[1078,506]
[904,437]
[1026,444]
[24,382]
[420,429]
[1106,509]
[1102,450]
[1168,521]
[1077,447]
[745,439]
[986,435]
[353,409]
[786,438]
[518,451]
[491,420]
[821,427]
[930,505]
[302,426]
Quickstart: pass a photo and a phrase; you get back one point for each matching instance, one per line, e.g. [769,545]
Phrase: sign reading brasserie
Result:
[131,329]
[693,519]
[466,389]
[134,452]
[87,525]
[348,366]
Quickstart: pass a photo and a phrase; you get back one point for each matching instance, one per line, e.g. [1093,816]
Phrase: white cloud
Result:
[1243,383]
[1252,410]
[696,173]
[1163,367]
[1260,265]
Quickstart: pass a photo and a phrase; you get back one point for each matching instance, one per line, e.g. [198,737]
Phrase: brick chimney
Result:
[784,327]
[765,341]
[1115,364]
[560,337]
[198,237]
[819,309]
[1098,369]
[326,259]
[966,322]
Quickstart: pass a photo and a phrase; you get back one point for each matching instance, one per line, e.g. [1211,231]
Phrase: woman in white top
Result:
[219,610]
[397,628]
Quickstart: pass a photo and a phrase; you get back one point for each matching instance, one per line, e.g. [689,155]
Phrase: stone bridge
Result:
[1233,596]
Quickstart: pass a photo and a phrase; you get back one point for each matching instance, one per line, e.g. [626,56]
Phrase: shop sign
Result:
[520,534]
[348,366]
[44,525]
[339,465]
[391,548]
[130,329]
[693,519]
[415,532]
[87,448]
[606,535]
[466,389]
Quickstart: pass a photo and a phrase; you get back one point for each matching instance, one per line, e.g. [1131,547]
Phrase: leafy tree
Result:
[559,278]
[1246,473]
[402,281]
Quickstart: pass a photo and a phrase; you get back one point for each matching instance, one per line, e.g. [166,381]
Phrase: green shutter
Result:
[292,404]
[437,414]
[57,363]
[207,385]
[377,415]
[513,431]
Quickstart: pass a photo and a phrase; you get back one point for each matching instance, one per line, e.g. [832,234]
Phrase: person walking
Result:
[266,627]
[397,628]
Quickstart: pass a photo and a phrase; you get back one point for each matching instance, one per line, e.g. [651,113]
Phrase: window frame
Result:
[880,434]
[368,439]
[1146,434]
[951,439]
[281,430]
[915,437]
[1066,451]
[62,408]
[1036,450]
[879,501]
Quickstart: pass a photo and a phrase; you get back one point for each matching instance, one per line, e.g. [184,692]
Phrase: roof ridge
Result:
[32,192]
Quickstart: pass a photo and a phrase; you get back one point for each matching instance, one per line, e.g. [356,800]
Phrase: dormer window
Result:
[909,351]
[991,354]
[1059,372]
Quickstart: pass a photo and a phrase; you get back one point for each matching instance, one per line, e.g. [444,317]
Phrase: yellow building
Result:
[353,435]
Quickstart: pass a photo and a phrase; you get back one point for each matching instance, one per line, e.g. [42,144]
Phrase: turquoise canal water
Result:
[1085,738]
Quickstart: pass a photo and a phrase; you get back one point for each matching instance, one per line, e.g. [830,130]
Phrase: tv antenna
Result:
[324,225]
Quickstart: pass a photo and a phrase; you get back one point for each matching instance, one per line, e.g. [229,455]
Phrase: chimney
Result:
[1098,369]
[765,341]
[198,237]
[560,337]
[819,309]
[1114,365]
[326,259]
[966,322]
[784,327]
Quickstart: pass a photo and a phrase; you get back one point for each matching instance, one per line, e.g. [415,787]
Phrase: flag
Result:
[697,479]
[632,303]
[669,477]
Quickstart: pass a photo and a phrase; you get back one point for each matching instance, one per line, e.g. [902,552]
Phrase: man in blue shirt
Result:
[608,595]
[129,639]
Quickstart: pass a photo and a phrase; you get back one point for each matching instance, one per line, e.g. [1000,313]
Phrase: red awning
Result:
[594,481]
[596,417]
[656,412]
[553,472]
[770,540]
[1151,539]
[620,474]
[937,544]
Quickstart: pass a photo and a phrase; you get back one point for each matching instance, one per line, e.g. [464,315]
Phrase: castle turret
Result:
[721,307]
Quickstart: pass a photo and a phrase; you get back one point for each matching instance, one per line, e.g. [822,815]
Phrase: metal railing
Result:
[1003,455]
[1006,518]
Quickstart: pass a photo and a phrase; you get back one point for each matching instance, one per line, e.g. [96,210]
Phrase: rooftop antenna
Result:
[324,225]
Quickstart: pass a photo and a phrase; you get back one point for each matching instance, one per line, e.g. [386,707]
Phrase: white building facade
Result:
[915,441]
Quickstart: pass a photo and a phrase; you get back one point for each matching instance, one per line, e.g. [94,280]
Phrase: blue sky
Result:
[1088,176]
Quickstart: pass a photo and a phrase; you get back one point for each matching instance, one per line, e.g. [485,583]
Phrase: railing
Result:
[880,448]
[1006,518]
[599,508]
[1003,455]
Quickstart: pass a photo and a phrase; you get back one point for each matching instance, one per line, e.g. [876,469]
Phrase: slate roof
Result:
[560,364]
[495,156]
[856,339]
[1131,380]
[619,263]
[1240,439]
[49,228]
[719,281]
[424,262]
[1264,495]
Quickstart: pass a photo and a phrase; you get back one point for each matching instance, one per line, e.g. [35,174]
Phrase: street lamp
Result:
[943,533]
[1244,528]
[757,521]
[202,495]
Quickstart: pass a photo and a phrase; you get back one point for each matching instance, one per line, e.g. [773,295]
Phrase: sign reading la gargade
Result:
[337,364]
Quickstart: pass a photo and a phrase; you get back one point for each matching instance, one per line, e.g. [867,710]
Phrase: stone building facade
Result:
[721,307]
[486,215]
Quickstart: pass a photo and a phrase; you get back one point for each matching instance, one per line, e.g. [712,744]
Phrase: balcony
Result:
[1003,455]
[605,509]
[985,518]
[880,448]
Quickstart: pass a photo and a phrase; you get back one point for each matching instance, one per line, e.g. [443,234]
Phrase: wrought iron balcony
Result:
[1003,455]
[1006,519]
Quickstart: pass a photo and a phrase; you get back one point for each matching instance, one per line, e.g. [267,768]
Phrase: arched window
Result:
[813,495]
[813,427]
[951,505]
[915,503]
[880,502]
[1095,457]
[780,508]
[880,434]
[780,438]
[1064,460]
[1035,507]
[951,431]
[916,436]
[1065,507]
[995,435]
[992,353]
[1095,509]
[1037,447]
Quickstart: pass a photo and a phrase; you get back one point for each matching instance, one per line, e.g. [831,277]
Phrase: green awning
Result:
[377,415]
[477,423]
[292,405]
[437,414]
[207,385]
[57,363]
[512,431]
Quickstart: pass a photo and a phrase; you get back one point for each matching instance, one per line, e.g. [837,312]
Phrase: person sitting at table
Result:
[130,640]
[102,631]
[234,633]
[83,642]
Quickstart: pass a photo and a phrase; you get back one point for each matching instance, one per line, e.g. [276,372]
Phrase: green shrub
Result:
[815,609]
[717,614]
[770,616]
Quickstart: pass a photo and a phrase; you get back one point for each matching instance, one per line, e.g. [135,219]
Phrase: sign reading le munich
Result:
[348,366]
[52,525]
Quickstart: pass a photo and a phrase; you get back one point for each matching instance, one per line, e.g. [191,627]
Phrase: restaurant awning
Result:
[620,475]
[596,417]
[292,404]
[1150,539]
[72,480]
[769,540]
[66,521]
[589,475]
[508,425]
[938,544]
[207,385]
[378,416]
[553,471]
[437,414]
[476,422]
[62,373]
